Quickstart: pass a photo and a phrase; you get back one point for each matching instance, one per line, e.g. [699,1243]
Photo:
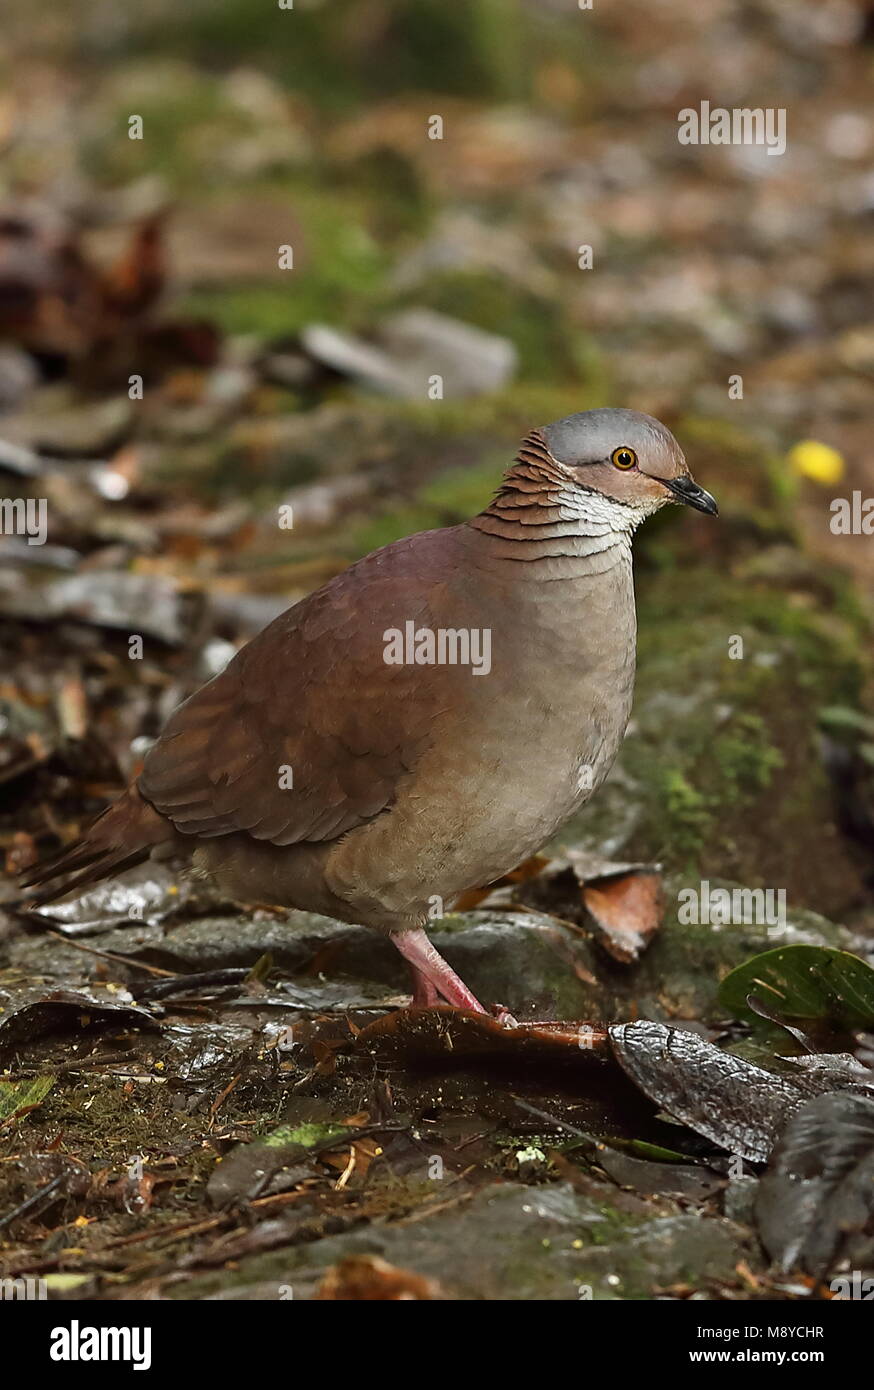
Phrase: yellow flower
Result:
[818,461]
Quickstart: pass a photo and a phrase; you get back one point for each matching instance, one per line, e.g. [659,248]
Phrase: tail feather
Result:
[123,835]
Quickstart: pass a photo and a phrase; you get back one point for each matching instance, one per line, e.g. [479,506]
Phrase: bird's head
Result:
[627,465]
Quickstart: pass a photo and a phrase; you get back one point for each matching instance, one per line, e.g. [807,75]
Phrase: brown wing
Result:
[313,694]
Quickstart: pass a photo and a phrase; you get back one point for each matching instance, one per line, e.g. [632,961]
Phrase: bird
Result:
[427,719]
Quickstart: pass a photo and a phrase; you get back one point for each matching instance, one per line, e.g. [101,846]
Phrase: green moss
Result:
[689,814]
[449,498]
[506,415]
[338,269]
[741,764]
[98,1117]
[745,757]
[177,105]
[724,757]
[335,58]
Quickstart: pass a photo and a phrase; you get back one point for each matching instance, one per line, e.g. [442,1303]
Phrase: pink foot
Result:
[415,947]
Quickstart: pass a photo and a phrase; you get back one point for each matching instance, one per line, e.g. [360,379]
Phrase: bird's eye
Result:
[624,457]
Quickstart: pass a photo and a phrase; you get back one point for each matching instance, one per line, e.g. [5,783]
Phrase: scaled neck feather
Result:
[541,512]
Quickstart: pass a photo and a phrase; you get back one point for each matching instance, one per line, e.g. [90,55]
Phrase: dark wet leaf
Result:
[277,1161]
[197,1050]
[765,1010]
[644,1175]
[34,1014]
[149,893]
[841,1068]
[815,982]
[815,1204]
[738,1106]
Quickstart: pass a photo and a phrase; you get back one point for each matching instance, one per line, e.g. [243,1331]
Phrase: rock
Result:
[55,423]
[523,960]
[517,1243]
[138,604]
[351,356]
[535,965]
[411,348]
[471,361]
[18,375]
[18,458]
[722,769]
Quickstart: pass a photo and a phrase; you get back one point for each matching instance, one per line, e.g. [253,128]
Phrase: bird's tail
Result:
[123,835]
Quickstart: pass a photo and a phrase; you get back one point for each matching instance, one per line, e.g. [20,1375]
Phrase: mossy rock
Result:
[721,772]
[511,1243]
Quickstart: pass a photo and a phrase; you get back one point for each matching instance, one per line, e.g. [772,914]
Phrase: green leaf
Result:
[812,982]
[641,1148]
[839,718]
[66,1282]
[17,1097]
[307,1135]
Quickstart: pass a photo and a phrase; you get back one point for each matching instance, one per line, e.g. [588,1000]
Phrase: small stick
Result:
[109,955]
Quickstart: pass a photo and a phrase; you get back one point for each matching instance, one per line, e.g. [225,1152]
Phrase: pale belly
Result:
[500,798]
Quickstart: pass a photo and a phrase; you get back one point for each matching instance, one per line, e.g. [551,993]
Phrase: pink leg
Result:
[415,947]
[425,995]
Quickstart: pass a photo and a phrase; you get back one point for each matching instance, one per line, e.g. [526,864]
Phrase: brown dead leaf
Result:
[440,1031]
[627,911]
[367,1278]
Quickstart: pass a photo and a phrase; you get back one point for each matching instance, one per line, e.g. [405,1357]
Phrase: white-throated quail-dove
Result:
[427,719]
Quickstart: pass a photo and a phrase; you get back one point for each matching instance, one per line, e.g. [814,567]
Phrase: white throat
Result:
[591,514]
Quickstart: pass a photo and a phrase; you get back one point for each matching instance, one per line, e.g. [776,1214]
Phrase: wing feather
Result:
[311,693]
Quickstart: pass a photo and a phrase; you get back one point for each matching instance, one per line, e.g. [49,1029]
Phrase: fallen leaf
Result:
[804,982]
[367,1278]
[815,1205]
[736,1105]
[19,1097]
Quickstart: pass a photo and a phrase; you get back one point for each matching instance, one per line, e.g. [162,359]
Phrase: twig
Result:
[35,1201]
[214,1108]
[110,955]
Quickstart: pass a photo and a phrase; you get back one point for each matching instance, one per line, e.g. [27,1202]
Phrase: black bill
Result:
[685,490]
